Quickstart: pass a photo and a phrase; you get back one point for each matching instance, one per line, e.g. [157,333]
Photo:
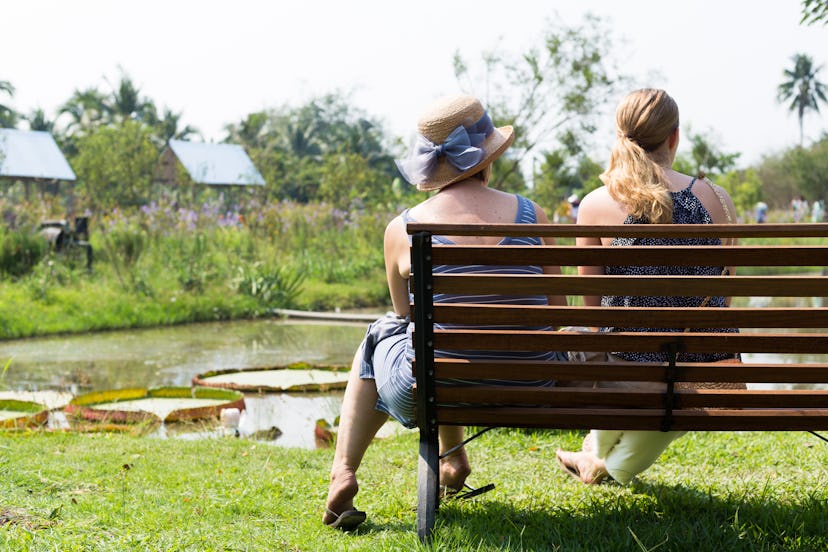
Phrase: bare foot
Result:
[454,470]
[341,493]
[583,466]
[587,445]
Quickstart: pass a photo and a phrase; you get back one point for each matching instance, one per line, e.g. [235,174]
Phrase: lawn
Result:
[112,491]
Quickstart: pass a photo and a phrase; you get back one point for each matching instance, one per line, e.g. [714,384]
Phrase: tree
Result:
[115,166]
[814,11]
[8,116]
[168,127]
[563,173]
[802,89]
[705,156]
[38,120]
[85,110]
[90,108]
[744,187]
[550,92]
[125,102]
[797,171]
[299,148]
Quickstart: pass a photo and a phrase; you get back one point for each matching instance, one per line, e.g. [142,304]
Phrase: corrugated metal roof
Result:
[217,164]
[32,154]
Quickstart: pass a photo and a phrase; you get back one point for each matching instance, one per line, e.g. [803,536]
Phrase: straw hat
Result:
[443,119]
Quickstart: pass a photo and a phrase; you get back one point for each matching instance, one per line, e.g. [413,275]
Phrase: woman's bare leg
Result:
[359,422]
[455,468]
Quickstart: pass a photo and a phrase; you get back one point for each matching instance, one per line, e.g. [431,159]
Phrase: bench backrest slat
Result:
[635,317]
[639,419]
[651,342]
[645,255]
[737,286]
[531,370]
[783,230]
[562,397]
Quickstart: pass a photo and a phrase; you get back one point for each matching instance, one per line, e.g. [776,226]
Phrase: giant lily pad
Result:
[299,376]
[52,400]
[168,404]
[19,414]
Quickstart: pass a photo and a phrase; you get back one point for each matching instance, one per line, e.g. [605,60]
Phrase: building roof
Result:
[216,164]
[32,154]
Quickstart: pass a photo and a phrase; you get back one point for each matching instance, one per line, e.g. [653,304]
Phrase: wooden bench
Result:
[783,344]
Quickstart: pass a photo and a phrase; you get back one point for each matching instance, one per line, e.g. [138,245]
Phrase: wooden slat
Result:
[630,317]
[568,397]
[449,368]
[762,286]
[642,419]
[819,230]
[510,340]
[752,398]
[634,255]
[551,396]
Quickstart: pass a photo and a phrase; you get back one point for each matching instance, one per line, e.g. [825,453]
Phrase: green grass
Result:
[734,491]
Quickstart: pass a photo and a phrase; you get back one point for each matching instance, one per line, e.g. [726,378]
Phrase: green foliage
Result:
[814,11]
[20,251]
[802,89]
[323,150]
[745,188]
[115,165]
[562,175]
[551,94]
[8,116]
[797,171]
[274,287]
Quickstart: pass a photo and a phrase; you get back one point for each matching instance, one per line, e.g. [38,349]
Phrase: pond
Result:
[171,356]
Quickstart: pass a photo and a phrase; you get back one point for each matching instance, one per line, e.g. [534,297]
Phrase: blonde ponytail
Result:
[644,121]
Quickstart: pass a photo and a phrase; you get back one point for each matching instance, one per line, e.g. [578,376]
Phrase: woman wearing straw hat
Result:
[452,156]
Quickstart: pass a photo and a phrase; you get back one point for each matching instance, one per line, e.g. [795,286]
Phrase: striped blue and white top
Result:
[525,215]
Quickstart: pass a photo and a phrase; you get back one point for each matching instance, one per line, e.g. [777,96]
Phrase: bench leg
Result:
[428,484]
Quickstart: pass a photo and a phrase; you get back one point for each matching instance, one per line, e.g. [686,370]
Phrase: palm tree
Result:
[168,127]
[8,116]
[86,110]
[125,102]
[814,11]
[38,120]
[251,132]
[802,89]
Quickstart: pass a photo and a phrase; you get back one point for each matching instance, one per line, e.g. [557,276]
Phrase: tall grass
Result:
[161,265]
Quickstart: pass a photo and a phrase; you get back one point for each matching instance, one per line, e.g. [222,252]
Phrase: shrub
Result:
[21,251]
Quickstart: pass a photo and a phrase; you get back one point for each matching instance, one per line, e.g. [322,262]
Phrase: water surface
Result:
[171,356]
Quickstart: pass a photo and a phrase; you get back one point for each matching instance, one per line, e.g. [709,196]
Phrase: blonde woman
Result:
[640,187]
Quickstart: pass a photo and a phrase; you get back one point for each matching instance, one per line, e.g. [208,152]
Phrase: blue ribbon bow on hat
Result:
[461,149]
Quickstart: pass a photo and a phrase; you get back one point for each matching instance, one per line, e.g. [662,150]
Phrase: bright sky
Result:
[216,61]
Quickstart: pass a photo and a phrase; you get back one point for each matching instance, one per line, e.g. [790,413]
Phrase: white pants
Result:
[628,453]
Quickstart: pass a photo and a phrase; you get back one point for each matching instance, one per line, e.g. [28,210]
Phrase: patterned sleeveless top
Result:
[525,215]
[687,209]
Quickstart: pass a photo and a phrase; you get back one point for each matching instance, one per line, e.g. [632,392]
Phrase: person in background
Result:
[574,202]
[456,145]
[818,211]
[641,187]
[761,212]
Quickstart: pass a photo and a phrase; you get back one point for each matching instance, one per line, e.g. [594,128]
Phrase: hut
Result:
[218,166]
[33,156]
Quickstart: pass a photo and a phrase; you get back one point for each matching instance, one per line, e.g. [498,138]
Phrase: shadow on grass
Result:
[648,517]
